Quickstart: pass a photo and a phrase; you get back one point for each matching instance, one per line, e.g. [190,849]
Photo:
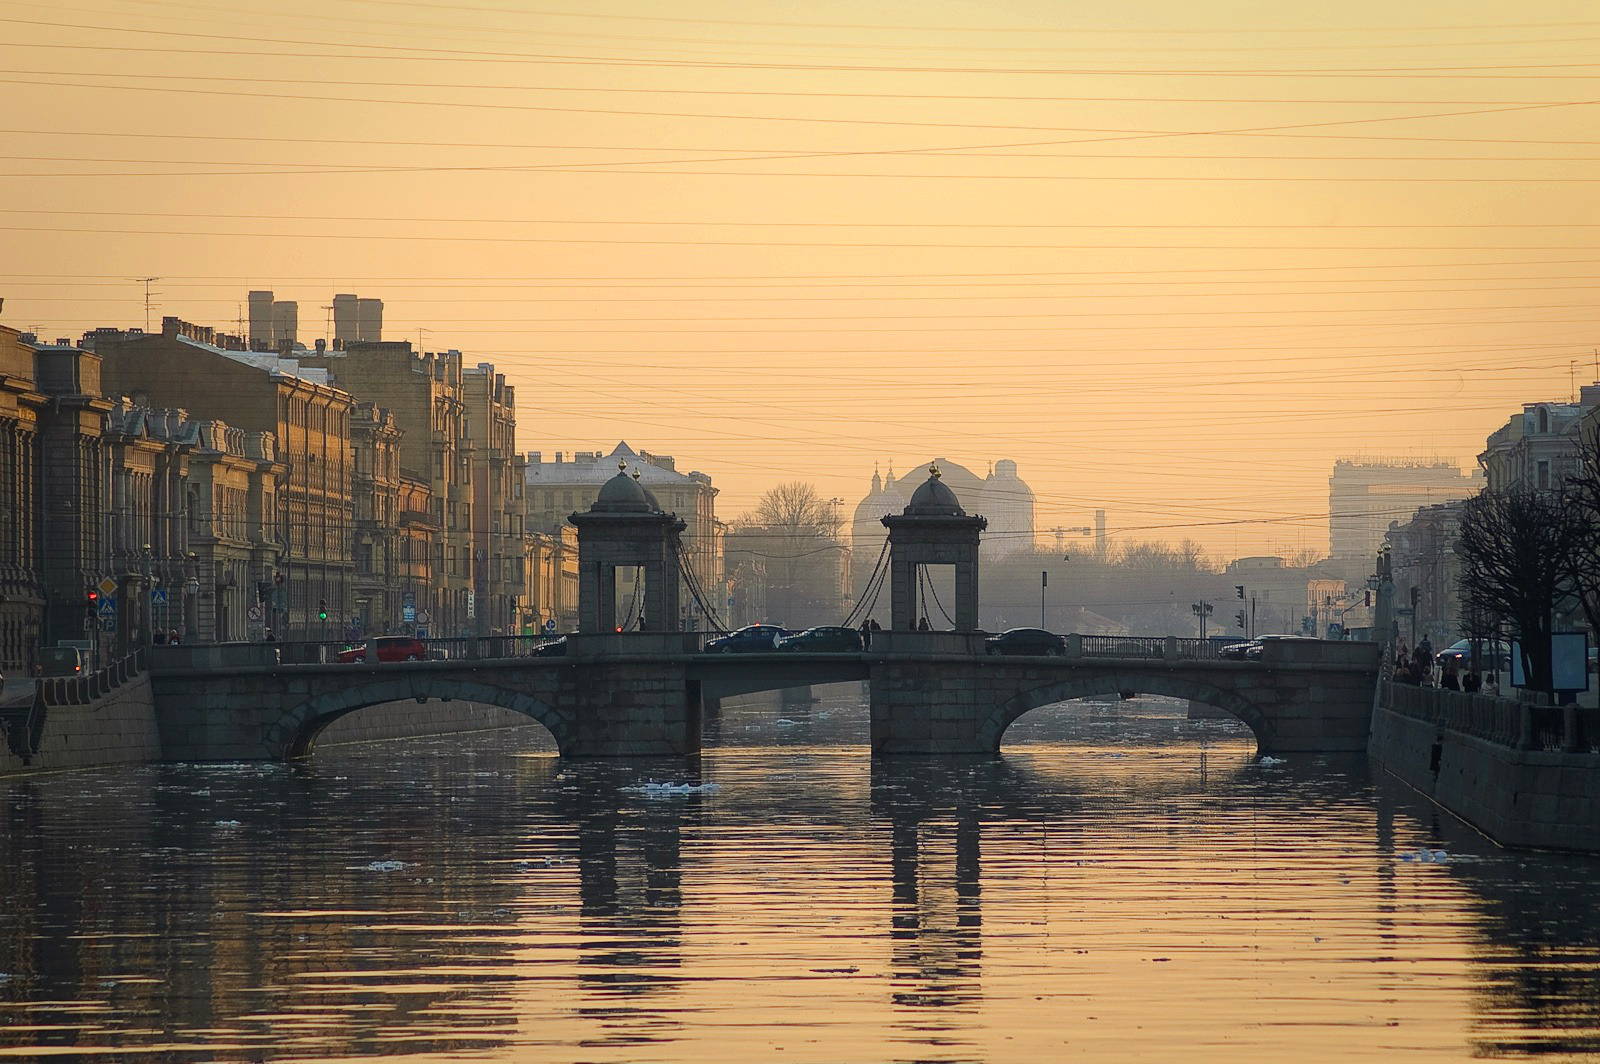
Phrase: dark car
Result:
[752,639]
[827,637]
[555,648]
[1239,651]
[1034,641]
[387,648]
[61,661]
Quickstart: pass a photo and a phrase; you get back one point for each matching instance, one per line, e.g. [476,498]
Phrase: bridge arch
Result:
[296,731]
[1172,685]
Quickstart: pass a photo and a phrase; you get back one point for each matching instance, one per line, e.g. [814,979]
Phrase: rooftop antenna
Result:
[146,282]
[327,328]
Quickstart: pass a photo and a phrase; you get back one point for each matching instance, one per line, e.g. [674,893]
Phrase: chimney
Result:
[322,347]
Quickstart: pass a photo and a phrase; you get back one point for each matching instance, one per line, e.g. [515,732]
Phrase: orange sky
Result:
[1172,264]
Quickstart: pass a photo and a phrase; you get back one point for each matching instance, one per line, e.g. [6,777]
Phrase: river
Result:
[1123,884]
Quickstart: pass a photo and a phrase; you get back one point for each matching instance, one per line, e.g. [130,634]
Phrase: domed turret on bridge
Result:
[933,529]
[626,528]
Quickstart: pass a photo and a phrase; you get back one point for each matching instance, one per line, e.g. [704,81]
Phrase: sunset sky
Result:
[1173,259]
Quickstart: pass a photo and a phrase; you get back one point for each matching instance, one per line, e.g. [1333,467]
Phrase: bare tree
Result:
[792,540]
[1519,550]
[1584,491]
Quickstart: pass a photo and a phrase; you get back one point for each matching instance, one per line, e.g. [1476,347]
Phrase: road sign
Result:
[108,607]
[550,625]
[108,625]
[408,614]
[423,617]
[158,597]
[108,586]
[254,612]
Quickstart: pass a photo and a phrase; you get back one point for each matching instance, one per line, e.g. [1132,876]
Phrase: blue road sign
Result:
[108,606]
[158,597]
[550,625]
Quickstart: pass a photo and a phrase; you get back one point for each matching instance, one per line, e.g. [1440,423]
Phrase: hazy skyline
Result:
[1173,265]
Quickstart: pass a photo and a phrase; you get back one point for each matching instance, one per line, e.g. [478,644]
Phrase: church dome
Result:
[934,499]
[622,495]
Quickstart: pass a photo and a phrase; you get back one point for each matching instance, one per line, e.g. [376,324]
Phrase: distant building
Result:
[568,484]
[500,554]
[21,585]
[356,319]
[1427,574]
[1002,497]
[1365,497]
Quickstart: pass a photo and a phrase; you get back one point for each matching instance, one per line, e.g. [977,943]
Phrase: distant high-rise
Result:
[260,319]
[356,320]
[346,327]
[285,322]
[369,320]
[1365,496]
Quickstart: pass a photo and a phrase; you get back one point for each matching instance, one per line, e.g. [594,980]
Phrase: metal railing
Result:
[1513,721]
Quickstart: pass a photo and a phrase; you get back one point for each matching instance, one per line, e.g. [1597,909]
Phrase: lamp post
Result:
[144,597]
[1202,610]
[191,599]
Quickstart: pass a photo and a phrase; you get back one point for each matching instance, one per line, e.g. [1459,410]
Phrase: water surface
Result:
[1123,884]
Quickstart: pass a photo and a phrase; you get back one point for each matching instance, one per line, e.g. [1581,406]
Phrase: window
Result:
[1544,422]
[1544,471]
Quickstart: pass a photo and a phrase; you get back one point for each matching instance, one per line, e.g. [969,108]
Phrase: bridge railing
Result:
[1507,720]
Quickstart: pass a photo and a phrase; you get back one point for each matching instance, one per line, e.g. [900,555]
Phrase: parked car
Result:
[824,638]
[61,661]
[387,648]
[1034,641]
[751,639]
[555,648]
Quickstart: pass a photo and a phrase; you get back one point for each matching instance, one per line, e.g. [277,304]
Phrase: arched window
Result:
[1544,419]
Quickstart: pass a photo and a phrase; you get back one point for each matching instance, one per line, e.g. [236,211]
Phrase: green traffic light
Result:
[322,616]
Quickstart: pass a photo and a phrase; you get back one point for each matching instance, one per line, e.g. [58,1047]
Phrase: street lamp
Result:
[191,599]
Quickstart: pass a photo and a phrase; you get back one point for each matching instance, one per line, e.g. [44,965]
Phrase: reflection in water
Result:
[1123,883]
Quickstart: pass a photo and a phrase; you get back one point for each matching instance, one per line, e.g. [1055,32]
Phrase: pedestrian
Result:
[272,637]
[172,636]
[866,634]
[924,626]
[1491,685]
[1471,683]
[1448,678]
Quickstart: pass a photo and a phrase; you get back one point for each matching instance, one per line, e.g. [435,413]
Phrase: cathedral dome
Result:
[934,499]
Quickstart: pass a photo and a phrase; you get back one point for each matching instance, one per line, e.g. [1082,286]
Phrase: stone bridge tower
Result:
[627,528]
[933,530]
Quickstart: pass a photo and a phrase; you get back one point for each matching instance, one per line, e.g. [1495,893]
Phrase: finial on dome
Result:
[635,474]
[622,466]
[933,470]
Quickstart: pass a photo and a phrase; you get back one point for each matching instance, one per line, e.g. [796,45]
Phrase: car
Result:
[555,648]
[387,648]
[1034,641]
[61,661]
[823,638]
[1461,652]
[751,639]
[1238,651]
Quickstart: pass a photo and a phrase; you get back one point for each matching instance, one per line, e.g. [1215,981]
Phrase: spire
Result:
[889,483]
[877,481]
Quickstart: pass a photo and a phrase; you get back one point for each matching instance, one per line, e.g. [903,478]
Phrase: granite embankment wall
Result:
[107,719]
[1523,774]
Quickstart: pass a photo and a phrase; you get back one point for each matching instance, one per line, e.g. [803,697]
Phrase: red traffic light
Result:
[94,596]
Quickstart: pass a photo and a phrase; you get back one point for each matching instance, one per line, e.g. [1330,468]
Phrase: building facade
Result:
[1540,447]
[375,480]
[499,546]
[425,395]
[22,599]
[309,421]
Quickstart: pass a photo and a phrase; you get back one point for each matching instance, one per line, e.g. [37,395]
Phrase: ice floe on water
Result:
[1426,856]
[383,866]
[227,823]
[1268,759]
[653,789]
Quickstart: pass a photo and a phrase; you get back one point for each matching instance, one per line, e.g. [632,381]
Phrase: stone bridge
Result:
[643,694]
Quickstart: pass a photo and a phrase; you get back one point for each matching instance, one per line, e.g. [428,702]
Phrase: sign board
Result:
[108,586]
[158,597]
[408,613]
[423,618]
[408,600]
[472,605]
[254,612]
[108,624]
[1569,662]
[108,607]
[422,633]
[550,625]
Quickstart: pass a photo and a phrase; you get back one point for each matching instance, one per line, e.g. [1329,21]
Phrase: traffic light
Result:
[322,610]
[1239,618]
[1238,589]
[91,602]
[263,590]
